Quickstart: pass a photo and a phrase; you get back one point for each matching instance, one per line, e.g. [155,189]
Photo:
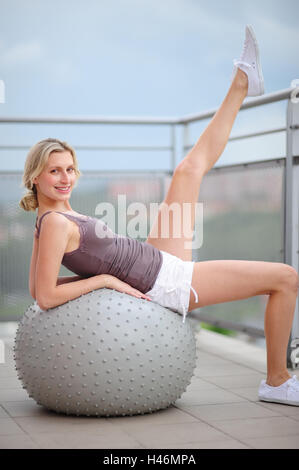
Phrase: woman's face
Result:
[57,179]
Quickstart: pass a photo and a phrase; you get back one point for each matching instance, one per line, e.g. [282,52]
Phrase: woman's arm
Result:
[60,280]
[72,290]
[33,266]
[69,291]
[65,279]
[53,240]
[113,282]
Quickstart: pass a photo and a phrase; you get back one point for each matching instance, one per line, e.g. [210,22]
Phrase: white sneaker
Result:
[249,62]
[286,393]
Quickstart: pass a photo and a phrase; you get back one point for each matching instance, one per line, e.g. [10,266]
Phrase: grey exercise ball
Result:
[105,353]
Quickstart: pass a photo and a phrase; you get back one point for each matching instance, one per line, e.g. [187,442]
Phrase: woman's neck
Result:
[42,208]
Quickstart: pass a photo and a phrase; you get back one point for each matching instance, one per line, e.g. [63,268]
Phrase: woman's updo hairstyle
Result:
[36,161]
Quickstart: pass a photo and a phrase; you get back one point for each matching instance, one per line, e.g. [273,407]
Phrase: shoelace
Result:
[182,305]
[241,62]
[245,46]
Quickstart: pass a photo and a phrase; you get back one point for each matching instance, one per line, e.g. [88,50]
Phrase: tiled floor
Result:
[219,410]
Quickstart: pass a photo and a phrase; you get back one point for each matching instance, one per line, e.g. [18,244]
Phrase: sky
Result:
[162,58]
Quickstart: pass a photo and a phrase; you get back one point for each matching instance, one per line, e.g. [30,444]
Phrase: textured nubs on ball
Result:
[104,354]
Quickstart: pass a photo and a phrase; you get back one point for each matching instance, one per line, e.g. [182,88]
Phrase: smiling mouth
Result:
[62,189]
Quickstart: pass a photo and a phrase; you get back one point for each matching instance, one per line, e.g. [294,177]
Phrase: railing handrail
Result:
[88,120]
[248,103]
[98,147]
[151,147]
[252,102]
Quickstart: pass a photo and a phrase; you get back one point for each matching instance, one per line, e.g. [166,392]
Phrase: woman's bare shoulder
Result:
[54,220]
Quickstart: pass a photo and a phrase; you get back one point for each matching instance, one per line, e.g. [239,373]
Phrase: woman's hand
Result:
[115,283]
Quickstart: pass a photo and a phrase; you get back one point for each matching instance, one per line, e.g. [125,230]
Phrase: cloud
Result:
[61,71]
[58,70]
[20,54]
[279,39]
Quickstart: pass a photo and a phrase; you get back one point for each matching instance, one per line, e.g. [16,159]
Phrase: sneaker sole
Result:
[259,68]
[284,402]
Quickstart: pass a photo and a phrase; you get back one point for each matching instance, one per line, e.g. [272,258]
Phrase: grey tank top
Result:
[101,251]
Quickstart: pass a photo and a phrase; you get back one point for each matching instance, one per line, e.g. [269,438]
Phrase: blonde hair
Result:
[36,161]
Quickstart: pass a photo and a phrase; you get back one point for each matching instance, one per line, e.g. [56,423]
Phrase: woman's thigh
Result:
[228,280]
[173,229]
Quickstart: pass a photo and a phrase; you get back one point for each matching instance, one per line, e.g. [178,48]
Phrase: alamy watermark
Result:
[165,221]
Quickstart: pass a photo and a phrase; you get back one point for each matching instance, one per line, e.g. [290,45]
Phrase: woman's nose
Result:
[65,177]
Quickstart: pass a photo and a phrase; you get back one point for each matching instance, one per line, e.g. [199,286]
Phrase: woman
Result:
[160,269]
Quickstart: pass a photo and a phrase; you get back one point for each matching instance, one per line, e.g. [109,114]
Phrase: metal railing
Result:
[290,195]
[290,162]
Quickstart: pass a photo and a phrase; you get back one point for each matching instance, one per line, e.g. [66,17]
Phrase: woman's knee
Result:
[289,278]
[191,169]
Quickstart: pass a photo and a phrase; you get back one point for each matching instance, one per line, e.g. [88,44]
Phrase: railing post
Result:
[173,147]
[185,139]
[291,207]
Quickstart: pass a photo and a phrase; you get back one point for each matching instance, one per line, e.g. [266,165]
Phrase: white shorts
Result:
[173,284]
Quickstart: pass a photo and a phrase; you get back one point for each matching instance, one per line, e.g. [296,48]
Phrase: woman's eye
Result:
[69,169]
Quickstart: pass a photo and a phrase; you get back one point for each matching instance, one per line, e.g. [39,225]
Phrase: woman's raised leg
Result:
[228,280]
[187,177]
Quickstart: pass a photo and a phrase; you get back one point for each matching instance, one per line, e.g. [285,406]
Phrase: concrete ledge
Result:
[233,349]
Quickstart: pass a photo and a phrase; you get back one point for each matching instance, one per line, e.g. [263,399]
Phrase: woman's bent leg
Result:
[228,280]
[278,324]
